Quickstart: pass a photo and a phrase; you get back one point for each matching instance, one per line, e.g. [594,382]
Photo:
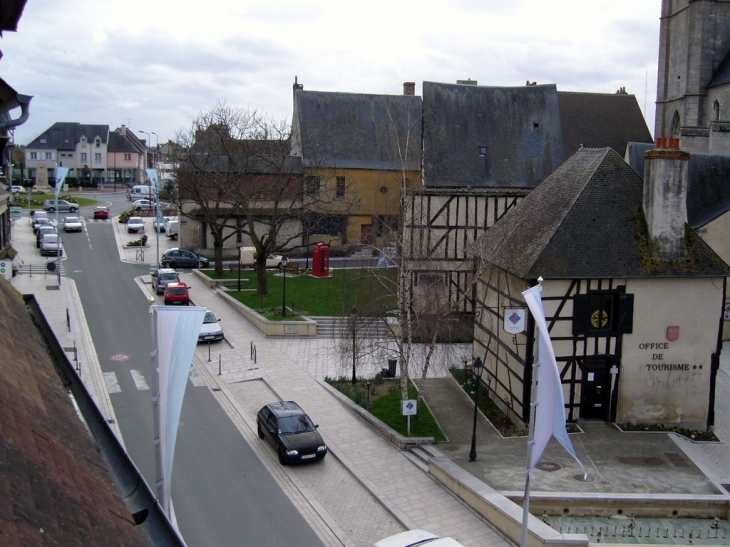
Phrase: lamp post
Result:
[239,244]
[478,369]
[353,316]
[154,154]
[147,147]
[284,262]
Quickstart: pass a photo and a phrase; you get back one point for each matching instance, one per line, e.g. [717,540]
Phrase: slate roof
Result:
[708,191]
[10,13]
[54,484]
[722,74]
[65,135]
[586,221]
[517,127]
[120,143]
[354,130]
[597,120]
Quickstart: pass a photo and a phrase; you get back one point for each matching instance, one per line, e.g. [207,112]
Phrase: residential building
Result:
[632,295]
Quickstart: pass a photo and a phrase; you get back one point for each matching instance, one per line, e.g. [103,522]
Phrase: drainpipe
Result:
[24,103]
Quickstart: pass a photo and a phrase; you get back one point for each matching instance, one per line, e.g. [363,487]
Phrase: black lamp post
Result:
[353,316]
[284,262]
[478,369]
[239,245]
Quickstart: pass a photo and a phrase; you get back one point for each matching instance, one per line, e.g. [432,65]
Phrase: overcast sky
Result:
[153,65]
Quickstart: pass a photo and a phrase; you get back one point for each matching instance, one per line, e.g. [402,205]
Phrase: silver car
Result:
[61,205]
[163,276]
[135,225]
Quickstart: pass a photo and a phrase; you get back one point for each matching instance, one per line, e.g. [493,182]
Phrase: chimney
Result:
[467,82]
[665,201]
[297,86]
[409,88]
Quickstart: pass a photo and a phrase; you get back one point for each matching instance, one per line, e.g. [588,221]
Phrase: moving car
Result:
[135,225]
[61,205]
[51,245]
[17,189]
[411,538]
[177,294]
[72,224]
[211,331]
[248,258]
[43,230]
[182,258]
[291,432]
[143,204]
[161,277]
[101,212]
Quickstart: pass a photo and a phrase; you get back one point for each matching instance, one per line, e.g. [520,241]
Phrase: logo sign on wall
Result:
[672,333]
[514,320]
[6,268]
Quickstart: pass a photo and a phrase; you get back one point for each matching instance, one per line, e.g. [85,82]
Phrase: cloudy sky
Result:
[153,65]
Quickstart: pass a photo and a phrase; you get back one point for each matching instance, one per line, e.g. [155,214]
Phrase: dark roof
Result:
[56,490]
[120,143]
[490,136]
[586,221]
[356,130]
[598,120]
[10,13]
[65,135]
[708,191]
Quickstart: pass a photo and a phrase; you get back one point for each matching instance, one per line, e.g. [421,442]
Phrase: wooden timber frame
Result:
[438,226]
[508,358]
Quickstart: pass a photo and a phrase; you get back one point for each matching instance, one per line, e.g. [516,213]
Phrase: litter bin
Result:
[392,362]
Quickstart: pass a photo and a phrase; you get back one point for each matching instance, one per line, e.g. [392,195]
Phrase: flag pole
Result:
[531,433]
[159,479]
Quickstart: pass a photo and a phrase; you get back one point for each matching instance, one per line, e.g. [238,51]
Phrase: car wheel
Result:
[260,431]
[51,210]
[282,457]
[173,264]
[72,209]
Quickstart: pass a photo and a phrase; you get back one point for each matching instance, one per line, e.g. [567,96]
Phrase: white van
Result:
[140,191]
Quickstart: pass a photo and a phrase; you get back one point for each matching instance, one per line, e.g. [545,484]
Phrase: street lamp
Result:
[353,316]
[478,369]
[284,262]
[239,245]
[154,154]
[147,146]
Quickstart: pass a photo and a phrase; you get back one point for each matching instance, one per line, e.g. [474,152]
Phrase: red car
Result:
[101,212]
[177,294]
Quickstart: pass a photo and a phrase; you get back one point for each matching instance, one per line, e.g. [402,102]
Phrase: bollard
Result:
[219,364]
[68,320]
[209,352]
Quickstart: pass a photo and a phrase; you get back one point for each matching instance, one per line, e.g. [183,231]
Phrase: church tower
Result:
[693,87]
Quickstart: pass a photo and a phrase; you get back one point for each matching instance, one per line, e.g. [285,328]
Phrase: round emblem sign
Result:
[119,357]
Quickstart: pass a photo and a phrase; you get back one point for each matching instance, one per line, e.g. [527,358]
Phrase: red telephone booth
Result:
[320,260]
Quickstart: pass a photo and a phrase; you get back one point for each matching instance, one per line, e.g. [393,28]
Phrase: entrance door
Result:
[595,390]
[366,231]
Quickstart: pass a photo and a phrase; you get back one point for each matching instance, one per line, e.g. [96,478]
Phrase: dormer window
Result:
[83,142]
[482,151]
[43,141]
[98,142]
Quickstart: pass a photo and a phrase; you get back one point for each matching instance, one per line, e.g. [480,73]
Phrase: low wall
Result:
[503,514]
[218,282]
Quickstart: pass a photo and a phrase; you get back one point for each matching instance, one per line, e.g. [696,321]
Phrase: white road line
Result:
[195,378]
[112,385]
[139,380]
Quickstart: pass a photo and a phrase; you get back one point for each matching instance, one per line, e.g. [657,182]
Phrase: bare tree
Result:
[238,176]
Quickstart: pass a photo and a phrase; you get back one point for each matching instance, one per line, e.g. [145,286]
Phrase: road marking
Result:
[112,385]
[195,378]
[139,380]
[119,357]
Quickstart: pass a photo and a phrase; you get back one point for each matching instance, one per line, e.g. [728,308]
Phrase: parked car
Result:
[72,224]
[163,225]
[177,294]
[248,258]
[135,225]
[38,222]
[291,432]
[412,538]
[35,216]
[161,277]
[182,258]
[43,230]
[17,189]
[101,212]
[143,205]
[61,205]
[51,245]
[211,331]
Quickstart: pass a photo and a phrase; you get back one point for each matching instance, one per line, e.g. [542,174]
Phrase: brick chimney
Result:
[409,88]
[665,200]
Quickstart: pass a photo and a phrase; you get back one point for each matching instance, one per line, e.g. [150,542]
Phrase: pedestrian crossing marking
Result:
[139,380]
[112,385]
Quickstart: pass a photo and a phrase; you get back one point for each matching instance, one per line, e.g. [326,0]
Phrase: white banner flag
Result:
[550,411]
[178,329]
[60,178]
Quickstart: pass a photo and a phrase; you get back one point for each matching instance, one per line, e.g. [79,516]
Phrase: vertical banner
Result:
[550,411]
[60,179]
[177,335]
[155,183]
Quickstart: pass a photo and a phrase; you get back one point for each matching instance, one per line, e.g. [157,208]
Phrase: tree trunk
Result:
[263,285]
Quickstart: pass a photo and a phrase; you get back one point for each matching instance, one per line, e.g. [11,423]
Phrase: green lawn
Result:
[385,404]
[36,200]
[328,296]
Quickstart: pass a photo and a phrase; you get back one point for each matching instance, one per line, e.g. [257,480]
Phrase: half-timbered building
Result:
[632,295]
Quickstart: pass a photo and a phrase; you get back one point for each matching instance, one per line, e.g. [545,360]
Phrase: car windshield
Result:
[50,238]
[209,318]
[71,219]
[295,424]
[168,276]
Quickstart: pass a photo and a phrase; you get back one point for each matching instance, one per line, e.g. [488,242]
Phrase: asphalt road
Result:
[222,493]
